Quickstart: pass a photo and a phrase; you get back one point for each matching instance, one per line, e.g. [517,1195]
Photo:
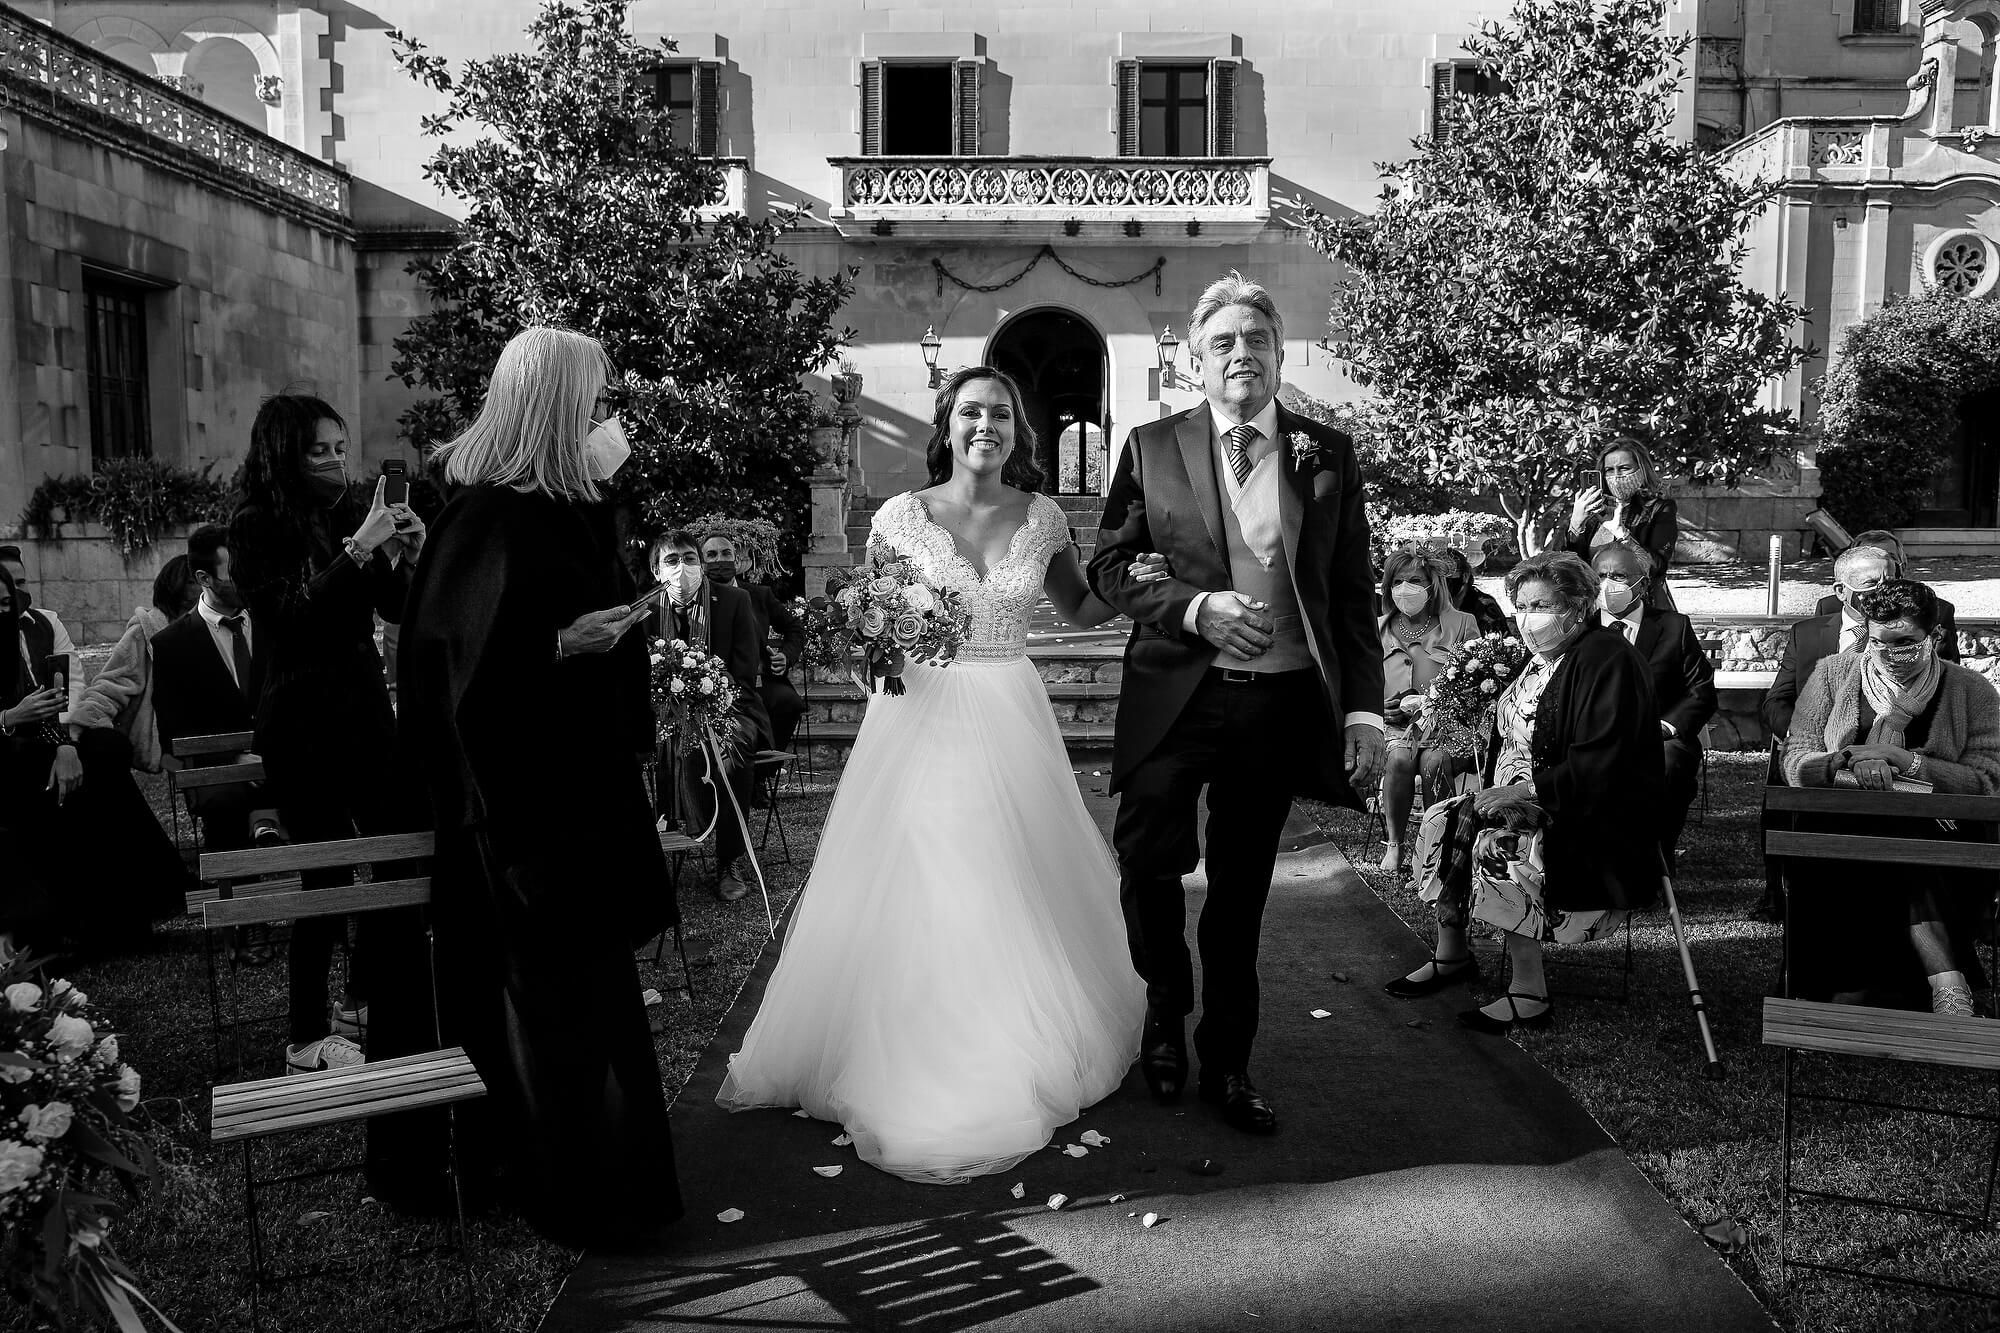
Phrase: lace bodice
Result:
[1001,602]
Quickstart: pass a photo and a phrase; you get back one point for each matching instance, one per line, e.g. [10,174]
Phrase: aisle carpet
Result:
[1423,1178]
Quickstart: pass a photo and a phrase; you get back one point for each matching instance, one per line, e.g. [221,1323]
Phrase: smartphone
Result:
[395,481]
[55,673]
[656,595]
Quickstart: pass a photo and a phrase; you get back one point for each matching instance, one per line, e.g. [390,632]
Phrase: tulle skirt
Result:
[956,982]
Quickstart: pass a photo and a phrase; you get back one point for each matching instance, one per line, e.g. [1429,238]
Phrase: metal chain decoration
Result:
[1048,252]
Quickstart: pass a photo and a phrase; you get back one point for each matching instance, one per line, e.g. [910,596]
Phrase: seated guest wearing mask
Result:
[1562,845]
[724,562]
[1683,677]
[1896,710]
[1899,568]
[1467,597]
[120,695]
[208,671]
[42,632]
[88,865]
[1418,636]
[722,620]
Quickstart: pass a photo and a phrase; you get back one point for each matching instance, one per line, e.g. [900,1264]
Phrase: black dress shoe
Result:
[1444,972]
[1165,1065]
[1478,1021]
[1242,1105]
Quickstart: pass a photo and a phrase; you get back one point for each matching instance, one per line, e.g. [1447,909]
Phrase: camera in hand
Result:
[395,481]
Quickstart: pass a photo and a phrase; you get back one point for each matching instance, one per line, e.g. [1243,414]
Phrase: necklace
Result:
[1409,631]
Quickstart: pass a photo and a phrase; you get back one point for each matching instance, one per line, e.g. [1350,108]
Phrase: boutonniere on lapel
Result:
[1305,451]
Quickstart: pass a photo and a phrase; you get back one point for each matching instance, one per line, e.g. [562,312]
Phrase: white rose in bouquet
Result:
[128,1088]
[44,1124]
[677,685]
[23,996]
[707,686]
[19,1164]
[70,1036]
[107,1051]
[920,599]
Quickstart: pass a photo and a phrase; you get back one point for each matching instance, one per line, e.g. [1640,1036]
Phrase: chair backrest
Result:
[221,742]
[1912,848]
[294,904]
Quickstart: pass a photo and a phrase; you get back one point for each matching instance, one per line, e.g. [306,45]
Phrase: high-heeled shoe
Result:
[1462,969]
[1479,1021]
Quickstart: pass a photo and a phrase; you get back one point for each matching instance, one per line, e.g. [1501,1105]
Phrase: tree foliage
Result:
[1889,403]
[1554,267]
[581,212]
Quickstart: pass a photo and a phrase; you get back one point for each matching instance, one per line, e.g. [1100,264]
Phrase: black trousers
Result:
[1683,781]
[335,773]
[785,707]
[1241,740]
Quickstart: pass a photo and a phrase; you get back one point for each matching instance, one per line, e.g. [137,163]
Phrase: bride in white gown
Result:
[956,981]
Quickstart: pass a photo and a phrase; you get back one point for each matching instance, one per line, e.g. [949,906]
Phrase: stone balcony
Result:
[1204,199]
[46,75]
[735,187]
[1862,150]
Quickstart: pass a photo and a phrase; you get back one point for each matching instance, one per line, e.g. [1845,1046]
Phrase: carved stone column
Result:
[836,478]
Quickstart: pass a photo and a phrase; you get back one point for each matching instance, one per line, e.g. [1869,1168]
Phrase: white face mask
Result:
[1616,597]
[681,582]
[1410,598]
[605,449]
[1542,630]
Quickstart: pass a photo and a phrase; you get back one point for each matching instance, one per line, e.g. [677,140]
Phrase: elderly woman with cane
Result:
[1560,846]
[526,705]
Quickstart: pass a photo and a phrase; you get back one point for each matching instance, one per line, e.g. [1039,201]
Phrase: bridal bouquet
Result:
[690,685]
[66,1131]
[1459,702]
[886,617]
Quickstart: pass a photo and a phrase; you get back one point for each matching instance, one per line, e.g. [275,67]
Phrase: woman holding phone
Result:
[65,787]
[549,871]
[1622,502]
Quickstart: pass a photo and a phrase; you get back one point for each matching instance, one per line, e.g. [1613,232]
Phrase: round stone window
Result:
[1963,263]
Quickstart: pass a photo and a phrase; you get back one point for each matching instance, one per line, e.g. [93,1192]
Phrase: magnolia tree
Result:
[1554,267]
[581,211]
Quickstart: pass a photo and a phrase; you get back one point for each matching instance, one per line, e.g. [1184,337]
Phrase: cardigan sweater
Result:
[1961,754]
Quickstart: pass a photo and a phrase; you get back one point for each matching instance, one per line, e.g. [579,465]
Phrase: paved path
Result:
[1424,1178]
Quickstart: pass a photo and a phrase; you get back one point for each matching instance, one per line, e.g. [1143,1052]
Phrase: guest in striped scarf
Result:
[1895,713]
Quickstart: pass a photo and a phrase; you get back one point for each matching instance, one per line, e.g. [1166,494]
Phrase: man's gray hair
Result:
[1573,581]
[1854,557]
[1234,289]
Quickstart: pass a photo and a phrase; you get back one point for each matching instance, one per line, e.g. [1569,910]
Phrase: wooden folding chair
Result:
[768,772]
[1872,1033]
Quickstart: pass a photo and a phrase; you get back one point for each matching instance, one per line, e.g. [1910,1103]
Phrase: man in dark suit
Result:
[1255,669]
[720,560]
[722,620]
[1892,546]
[1683,677]
[207,676]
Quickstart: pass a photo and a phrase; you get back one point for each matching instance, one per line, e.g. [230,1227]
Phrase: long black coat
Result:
[1600,775]
[548,869]
[1165,497]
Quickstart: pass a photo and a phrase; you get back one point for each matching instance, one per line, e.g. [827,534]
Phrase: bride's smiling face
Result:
[982,427]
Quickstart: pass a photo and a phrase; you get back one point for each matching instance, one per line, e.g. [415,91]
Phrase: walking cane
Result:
[1714,1069]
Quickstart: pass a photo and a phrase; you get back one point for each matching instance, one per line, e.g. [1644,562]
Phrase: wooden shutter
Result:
[871,108]
[965,108]
[707,109]
[1442,82]
[1128,108]
[1222,108]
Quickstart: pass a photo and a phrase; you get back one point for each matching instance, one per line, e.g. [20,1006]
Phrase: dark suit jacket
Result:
[193,692]
[1165,497]
[1947,626]
[733,636]
[1683,677]
[773,610]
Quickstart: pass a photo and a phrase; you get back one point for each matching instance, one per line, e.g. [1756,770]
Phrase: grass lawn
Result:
[1710,1148]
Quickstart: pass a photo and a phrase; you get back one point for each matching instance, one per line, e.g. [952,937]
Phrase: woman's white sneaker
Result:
[334,1052]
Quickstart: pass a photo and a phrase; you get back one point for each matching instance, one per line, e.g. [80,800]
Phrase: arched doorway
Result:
[1059,361]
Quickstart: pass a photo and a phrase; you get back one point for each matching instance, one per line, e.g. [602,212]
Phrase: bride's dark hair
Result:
[1021,470]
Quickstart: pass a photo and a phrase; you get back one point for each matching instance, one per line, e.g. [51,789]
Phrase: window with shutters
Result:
[691,94]
[920,108]
[1461,79]
[1878,16]
[1177,108]
[114,315]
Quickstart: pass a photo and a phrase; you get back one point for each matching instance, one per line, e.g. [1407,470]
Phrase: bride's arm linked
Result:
[1070,592]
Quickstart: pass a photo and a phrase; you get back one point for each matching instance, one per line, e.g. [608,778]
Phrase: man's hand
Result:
[1239,627]
[1363,755]
[776,661]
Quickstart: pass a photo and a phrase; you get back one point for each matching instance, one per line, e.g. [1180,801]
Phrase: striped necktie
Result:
[1240,440]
